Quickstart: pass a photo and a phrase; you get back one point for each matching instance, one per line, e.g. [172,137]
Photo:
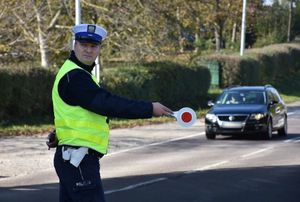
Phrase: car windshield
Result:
[241,97]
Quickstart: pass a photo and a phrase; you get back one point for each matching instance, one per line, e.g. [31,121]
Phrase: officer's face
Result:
[86,52]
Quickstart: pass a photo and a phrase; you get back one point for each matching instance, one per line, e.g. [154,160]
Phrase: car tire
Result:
[210,136]
[283,131]
[268,134]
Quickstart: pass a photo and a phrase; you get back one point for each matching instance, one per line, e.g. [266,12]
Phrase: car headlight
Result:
[258,116]
[211,117]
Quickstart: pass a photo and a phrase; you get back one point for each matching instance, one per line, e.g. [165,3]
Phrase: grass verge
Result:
[33,129]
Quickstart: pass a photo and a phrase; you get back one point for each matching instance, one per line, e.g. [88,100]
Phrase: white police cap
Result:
[89,33]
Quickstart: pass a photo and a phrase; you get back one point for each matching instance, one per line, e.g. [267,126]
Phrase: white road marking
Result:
[257,152]
[136,185]
[156,143]
[212,165]
[296,139]
[24,189]
[207,167]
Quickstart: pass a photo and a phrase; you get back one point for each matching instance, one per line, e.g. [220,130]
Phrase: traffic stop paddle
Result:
[186,117]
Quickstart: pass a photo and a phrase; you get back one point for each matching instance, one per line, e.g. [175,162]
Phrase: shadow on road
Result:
[272,183]
[293,108]
[259,137]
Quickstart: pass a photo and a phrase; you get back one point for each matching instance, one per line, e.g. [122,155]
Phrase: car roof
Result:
[256,88]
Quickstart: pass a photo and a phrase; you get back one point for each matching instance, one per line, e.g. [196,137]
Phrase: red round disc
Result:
[186,117]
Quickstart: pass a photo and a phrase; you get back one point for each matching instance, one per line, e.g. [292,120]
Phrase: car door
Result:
[272,106]
[279,109]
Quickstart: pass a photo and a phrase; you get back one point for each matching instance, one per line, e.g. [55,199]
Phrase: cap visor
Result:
[88,41]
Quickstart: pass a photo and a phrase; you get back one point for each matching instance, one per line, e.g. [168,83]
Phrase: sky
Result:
[268,2]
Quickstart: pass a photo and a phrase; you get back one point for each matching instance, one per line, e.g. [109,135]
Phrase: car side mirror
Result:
[210,103]
[272,103]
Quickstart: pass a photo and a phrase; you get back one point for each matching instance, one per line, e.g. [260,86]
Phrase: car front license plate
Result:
[232,124]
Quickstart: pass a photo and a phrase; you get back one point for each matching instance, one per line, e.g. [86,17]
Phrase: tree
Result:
[291,4]
[137,29]
[296,24]
[218,13]
[271,24]
[33,27]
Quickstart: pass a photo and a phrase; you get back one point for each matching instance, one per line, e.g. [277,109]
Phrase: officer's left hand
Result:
[160,110]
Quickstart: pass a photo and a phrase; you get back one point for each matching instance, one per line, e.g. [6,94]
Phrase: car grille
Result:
[239,118]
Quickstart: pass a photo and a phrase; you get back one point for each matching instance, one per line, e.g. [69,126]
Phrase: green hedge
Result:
[170,83]
[269,65]
[25,95]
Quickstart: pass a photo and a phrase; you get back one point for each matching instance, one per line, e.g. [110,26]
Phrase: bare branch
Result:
[94,6]
[2,12]
[16,41]
[54,20]
[63,27]
[140,3]
[29,34]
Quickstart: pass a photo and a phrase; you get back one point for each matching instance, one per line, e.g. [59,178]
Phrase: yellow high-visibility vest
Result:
[75,125]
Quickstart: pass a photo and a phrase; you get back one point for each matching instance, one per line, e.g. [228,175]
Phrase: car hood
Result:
[238,109]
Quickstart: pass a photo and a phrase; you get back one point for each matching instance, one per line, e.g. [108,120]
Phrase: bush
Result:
[26,92]
[25,95]
[170,83]
[269,65]
[233,69]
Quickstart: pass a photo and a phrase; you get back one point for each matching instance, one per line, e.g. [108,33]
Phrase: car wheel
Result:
[283,131]
[210,136]
[268,133]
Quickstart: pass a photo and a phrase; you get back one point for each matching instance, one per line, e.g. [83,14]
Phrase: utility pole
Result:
[77,12]
[290,21]
[77,17]
[243,28]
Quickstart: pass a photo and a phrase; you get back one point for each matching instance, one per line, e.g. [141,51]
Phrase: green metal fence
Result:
[214,70]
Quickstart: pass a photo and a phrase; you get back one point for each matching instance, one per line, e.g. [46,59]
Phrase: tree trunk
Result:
[197,34]
[233,37]
[219,37]
[41,41]
[43,51]
[218,30]
[180,38]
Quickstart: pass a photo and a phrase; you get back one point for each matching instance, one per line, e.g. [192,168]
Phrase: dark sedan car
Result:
[247,110]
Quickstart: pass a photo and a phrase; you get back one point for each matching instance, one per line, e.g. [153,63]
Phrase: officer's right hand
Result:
[52,140]
[160,110]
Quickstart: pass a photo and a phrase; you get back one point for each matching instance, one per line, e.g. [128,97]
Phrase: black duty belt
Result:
[90,151]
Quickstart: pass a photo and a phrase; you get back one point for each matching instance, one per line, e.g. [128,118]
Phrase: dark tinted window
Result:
[276,95]
[273,95]
[270,96]
[242,97]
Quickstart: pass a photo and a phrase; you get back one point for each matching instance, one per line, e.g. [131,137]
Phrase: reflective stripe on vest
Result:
[77,126]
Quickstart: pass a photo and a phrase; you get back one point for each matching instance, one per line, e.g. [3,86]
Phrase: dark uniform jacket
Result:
[77,88]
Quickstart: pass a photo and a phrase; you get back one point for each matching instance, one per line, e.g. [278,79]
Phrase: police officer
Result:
[81,108]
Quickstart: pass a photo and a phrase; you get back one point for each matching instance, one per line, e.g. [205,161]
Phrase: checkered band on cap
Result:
[89,33]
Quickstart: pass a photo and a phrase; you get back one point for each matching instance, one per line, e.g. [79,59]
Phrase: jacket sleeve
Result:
[78,89]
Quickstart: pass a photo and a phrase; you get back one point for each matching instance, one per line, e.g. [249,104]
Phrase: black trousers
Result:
[82,184]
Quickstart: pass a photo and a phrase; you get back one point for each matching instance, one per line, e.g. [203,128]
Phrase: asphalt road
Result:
[167,163]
